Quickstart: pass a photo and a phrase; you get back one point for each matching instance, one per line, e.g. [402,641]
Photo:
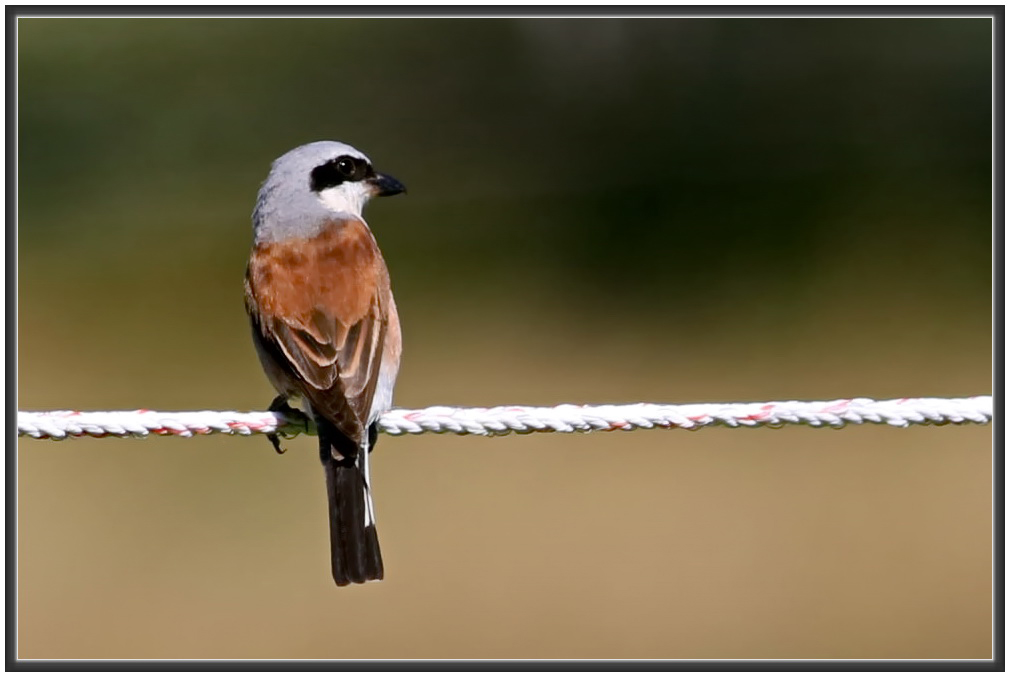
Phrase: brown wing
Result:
[323,304]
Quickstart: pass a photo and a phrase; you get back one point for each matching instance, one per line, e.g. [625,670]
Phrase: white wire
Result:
[564,418]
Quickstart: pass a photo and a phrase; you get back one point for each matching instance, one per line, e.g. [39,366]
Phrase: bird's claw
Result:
[275,439]
[291,414]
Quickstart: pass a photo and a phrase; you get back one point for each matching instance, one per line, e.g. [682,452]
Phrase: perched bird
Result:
[325,326]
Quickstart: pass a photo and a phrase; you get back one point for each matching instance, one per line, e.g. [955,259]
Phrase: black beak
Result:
[385,185]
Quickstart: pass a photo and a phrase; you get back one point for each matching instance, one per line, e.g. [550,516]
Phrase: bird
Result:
[325,325]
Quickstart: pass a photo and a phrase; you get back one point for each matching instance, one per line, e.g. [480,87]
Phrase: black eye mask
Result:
[345,168]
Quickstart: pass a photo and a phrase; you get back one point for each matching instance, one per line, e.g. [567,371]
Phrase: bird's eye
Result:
[338,170]
[345,166]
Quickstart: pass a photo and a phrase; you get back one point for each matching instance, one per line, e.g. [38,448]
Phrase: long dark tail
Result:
[354,543]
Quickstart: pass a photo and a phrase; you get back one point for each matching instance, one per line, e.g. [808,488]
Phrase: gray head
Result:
[313,183]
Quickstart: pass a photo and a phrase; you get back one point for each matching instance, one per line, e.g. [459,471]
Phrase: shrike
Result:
[325,325]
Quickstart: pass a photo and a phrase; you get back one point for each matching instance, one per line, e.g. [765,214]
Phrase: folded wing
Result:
[322,303]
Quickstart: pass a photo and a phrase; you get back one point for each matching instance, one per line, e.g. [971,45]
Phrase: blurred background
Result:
[668,210]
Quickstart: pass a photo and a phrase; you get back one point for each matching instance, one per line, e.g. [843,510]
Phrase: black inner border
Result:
[995,12]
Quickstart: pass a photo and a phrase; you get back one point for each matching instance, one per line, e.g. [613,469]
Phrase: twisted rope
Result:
[564,418]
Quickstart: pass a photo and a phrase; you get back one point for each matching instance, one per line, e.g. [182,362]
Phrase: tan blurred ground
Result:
[862,543]
[869,542]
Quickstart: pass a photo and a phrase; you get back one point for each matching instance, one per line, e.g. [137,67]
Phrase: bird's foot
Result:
[275,440]
[291,414]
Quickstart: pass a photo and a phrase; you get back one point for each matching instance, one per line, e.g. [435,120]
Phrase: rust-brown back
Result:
[323,302]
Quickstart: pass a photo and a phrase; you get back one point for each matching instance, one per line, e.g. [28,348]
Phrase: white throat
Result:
[349,198]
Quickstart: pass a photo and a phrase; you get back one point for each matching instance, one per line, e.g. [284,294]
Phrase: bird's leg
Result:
[280,406]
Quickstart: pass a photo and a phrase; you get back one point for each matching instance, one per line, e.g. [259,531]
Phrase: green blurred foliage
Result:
[599,210]
[630,157]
